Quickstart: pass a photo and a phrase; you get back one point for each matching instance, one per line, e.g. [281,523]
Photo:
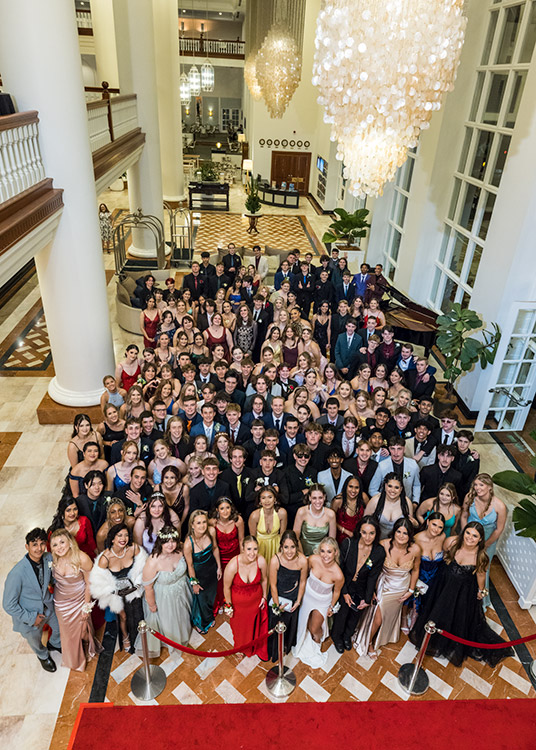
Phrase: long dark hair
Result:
[166,515]
[401,522]
[159,543]
[114,531]
[76,424]
[403,498]
[57,521]
[371,521]
[344,493]
[482,560]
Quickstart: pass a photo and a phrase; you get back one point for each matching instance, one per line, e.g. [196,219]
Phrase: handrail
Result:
[96,103]
[102,124]
[17,120]
[212,47]
[96,89]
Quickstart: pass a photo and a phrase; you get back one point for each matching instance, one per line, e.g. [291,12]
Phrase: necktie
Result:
[41,574]
[189,425]
[235,433]
[349,341]
[195,282]
[346,290]
[239,484]
[445,439]
[278,424]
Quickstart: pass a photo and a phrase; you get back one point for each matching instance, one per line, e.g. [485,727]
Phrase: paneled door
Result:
[291,166]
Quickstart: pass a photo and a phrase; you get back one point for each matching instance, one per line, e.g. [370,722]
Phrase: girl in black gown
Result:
[320,331]
[454,602]
[288,576]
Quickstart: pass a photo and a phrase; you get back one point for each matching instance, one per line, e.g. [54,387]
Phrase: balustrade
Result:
[21,165]
[217,47]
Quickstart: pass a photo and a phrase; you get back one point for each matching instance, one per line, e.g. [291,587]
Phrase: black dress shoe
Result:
[339,648]
[347,644]
[53,648]
[48,664]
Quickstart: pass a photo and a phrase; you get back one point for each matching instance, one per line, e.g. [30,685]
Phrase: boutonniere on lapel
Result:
[407,474]
[245,480]
[408,434]
[145,448]
[308,482]
[50,564]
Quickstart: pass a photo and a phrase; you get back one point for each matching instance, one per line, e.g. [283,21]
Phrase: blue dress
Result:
[206,570]
[118,482]
[489,522]
[428,571]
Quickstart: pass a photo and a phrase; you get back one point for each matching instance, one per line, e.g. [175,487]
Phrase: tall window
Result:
[397,215]
[500,80]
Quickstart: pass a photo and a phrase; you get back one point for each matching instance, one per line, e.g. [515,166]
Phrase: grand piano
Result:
[412,322]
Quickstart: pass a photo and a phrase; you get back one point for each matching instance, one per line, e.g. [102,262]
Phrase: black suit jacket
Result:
[146,453]
[268,420]
[318,457]
[338,326]
[217,282]
[389,362]
[244,434]
[276,477]
[203,498]
[238,498]
[231,261]
[285,450]
[297,482]
[189,283]
[350,464]
[350,295]
[363,332]
[207,271]
[468,467]
[420,390]
[202,321]
[432,478]
[365,584]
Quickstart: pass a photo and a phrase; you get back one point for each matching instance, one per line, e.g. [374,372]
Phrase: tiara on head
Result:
[169,536]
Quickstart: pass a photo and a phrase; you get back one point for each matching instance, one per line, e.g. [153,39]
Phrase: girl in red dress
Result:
[244,583]
[349,507]
[229,528]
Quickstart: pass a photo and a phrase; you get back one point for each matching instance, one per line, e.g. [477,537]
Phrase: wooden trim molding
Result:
[106,157]
[22,213]
[9,122]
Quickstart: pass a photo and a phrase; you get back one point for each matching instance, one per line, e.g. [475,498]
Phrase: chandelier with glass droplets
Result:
[382,68]
[250,77]
[278,69]
[184,89]
[194,79]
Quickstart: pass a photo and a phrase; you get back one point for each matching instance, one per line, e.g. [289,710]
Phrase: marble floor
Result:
[33,466]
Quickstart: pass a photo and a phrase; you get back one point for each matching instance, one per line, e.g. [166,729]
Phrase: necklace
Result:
[316,515]
[119,557]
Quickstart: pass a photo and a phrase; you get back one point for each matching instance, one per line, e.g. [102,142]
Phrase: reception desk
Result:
[274,197]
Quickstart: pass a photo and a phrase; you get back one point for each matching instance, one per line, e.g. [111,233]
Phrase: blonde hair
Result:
[331,542]
[195,515]
[75,561]
[488,481]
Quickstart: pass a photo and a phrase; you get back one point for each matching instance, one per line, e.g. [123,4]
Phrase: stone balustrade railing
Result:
[214,47]
[110,119]
[21,166]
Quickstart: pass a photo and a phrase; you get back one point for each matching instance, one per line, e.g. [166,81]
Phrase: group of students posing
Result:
[267,465]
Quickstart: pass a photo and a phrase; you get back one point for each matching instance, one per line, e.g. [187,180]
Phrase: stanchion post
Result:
[411,677]
[280,680]
[150,679]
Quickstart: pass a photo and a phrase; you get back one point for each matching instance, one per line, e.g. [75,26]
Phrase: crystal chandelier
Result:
[207,76]
[184,89]
[194,79]
[278,69]
[382,68]
[250,76]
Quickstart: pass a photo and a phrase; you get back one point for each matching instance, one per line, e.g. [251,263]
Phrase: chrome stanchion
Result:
[149,680]
[411,677]
[280,680]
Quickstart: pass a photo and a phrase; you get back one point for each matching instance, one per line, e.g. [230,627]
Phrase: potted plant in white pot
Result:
[517,546]
[346,232]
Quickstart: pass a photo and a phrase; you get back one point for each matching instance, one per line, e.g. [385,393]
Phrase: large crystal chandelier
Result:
[194,79]
[382,68]
[207,76]
[184,89]
[278,69]
[250,77]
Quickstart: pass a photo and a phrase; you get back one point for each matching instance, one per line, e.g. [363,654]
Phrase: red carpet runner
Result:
[435,725]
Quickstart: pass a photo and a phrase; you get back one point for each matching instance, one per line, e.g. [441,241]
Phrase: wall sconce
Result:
[241,138]
[218,145]
[210,111]
[187,110]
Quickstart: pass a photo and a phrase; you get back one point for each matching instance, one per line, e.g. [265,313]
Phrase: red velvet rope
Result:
[211,654]
[506,644]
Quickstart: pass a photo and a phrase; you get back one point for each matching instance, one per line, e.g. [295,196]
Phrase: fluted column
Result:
[137,75]
[40,64]
[166,29]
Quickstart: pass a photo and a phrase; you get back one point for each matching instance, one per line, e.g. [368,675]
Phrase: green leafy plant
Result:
[524,515]
[253,203]
[461,351]
[349,227]
[209,172]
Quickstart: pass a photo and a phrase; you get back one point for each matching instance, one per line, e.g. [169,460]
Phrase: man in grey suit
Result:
[405,468]
[29,602]
[347,349]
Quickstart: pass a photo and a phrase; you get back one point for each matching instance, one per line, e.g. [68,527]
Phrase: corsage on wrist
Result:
[335,607]
[276,609]
[87,608]
[193,581]
[228,609]
[483,592]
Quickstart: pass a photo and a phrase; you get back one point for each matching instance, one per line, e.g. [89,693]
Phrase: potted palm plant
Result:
[517,548]
[348,228]
[461,350]
[253,203]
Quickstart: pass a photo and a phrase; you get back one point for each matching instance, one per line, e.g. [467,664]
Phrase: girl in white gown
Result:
[319,602]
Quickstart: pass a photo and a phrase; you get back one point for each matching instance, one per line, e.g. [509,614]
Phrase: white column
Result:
[166,29]
[102,16]
[39,44]
[137,75]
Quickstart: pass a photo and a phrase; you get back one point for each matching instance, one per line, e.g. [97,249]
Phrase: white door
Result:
[513,383]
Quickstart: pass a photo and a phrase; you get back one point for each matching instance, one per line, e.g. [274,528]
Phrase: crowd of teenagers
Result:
[270,454]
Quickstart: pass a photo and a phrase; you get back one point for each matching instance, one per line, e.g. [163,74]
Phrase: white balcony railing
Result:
[218,47]
[124,114]
[21,165]
[98,124]
[111,118]
[83,19]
